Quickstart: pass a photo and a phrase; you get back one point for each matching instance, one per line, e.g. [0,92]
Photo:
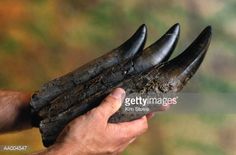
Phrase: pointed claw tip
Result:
[143,25]
[209,28]
[177,25]
[142,31]
[134,44]
[202,41]
[174,30]
[206,33]
[142,28]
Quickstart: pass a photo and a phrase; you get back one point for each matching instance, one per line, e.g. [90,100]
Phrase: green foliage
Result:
[200,148]
[215,84]
[10,45]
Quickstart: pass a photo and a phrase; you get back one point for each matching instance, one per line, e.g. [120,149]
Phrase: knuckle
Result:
[94,114]
[111,102]
[98,114]
[113,106]
[110,99]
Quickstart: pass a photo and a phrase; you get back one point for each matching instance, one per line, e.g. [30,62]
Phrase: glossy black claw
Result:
[179,70]
[151,56]
[160,51]
[128,66]
[59,85]
[135,44]
[169,77]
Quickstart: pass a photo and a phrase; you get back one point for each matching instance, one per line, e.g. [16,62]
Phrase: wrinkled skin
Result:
[91,134]
[132,68]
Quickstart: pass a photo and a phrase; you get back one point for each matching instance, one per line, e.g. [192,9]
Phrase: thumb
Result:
[111,103]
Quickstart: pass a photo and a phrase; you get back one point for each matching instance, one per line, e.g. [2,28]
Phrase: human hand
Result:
[91,133]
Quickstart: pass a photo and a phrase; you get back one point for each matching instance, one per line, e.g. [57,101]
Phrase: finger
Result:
[134,128]
[111,103]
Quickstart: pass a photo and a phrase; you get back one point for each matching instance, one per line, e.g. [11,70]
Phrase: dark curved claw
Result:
[175,73]
[160,51]
[133,45]
[167,77]
[102,84]
[109,78]
[55,87]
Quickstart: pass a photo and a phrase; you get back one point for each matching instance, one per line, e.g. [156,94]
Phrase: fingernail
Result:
[118,93]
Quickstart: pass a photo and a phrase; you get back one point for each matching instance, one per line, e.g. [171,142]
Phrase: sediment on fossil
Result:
[147,71]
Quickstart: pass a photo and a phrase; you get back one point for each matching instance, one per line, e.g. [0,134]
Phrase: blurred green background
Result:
[41,40]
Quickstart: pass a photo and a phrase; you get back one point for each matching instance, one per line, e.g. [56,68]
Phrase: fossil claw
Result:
[176,72]
[160,51]
[169,77]
[138,72]
[133,45]
[151,56]
[59,85]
